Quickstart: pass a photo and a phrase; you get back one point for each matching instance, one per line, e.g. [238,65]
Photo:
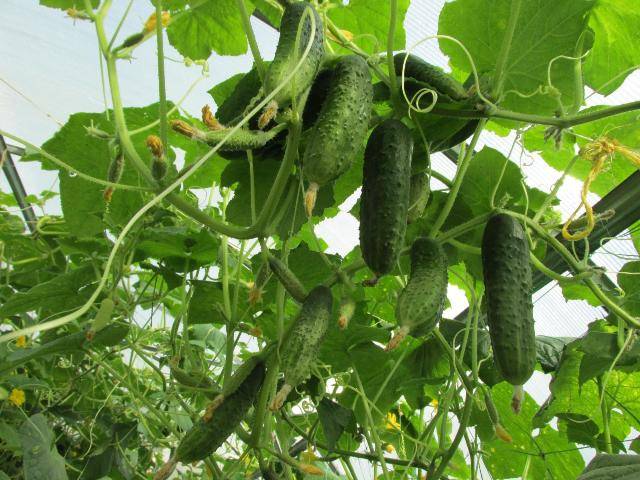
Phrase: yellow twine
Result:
[597,152]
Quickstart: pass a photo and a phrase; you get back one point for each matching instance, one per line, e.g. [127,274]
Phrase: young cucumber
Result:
[421,302]
[508,286]
[207,435]
[303,341]
[341,126]
[287,57]
[429,76]
[385,195]
[419,192]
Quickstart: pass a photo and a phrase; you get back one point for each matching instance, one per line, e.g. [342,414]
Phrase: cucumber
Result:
[421,302]
[603,460]
[243,139]
[508,286]
[287,57]
[302,343]
[102,318]
[429,76]
[290,282]
[205,437]
[385,195]
[419,191]
[341,127]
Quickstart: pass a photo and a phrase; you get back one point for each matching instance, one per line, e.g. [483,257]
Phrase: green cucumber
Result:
[287,57]
[429,76]
[385,195]
[508,286]
[419,192]
[603,460]
[243,139]
[102,318]
[341,126]
[290,282]
[303,340]
[205,437]
[421,302]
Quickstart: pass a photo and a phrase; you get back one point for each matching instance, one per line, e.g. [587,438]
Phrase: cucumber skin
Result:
[385,195]
[342,123]
[204,438]
[419,192]
[508,286]
[290,282]
[603,460]
[432,76]
[301,347]
[285,58]
[421,302]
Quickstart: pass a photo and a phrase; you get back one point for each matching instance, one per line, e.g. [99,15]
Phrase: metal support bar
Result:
[9,169]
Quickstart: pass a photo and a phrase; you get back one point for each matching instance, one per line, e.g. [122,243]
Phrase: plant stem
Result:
[561,122]
[505,48]
[457,182]
[393,79]
[162,110]
[464,421]
[251,38]
[604,409]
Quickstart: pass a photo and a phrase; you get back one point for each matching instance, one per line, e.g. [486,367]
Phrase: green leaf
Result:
[507,460]
[202,306]
[334,419]
[41,460]
[617,44]
[83,205]
[549,351]
[629,281]
[208,26]
[482,174]
[568,396]
[370,19]
[234,94]
[545,30]
[63,292]
[66,4]
[181,248]
[579,291]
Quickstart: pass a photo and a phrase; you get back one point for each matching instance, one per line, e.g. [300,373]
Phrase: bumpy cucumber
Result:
[290,282]
[431,76]
[385,195]
[603,460]
[419,192]
[422,300]
[341,127]
[205,437]
[303,341]
[287,57]
[508,285]
[243,139]
[102,318]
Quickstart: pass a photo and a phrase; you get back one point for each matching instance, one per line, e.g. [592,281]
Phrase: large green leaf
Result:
[552,456]
[368,21]
[616,50]
[545,30]
[209,26]
[63,292]
[41,460]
